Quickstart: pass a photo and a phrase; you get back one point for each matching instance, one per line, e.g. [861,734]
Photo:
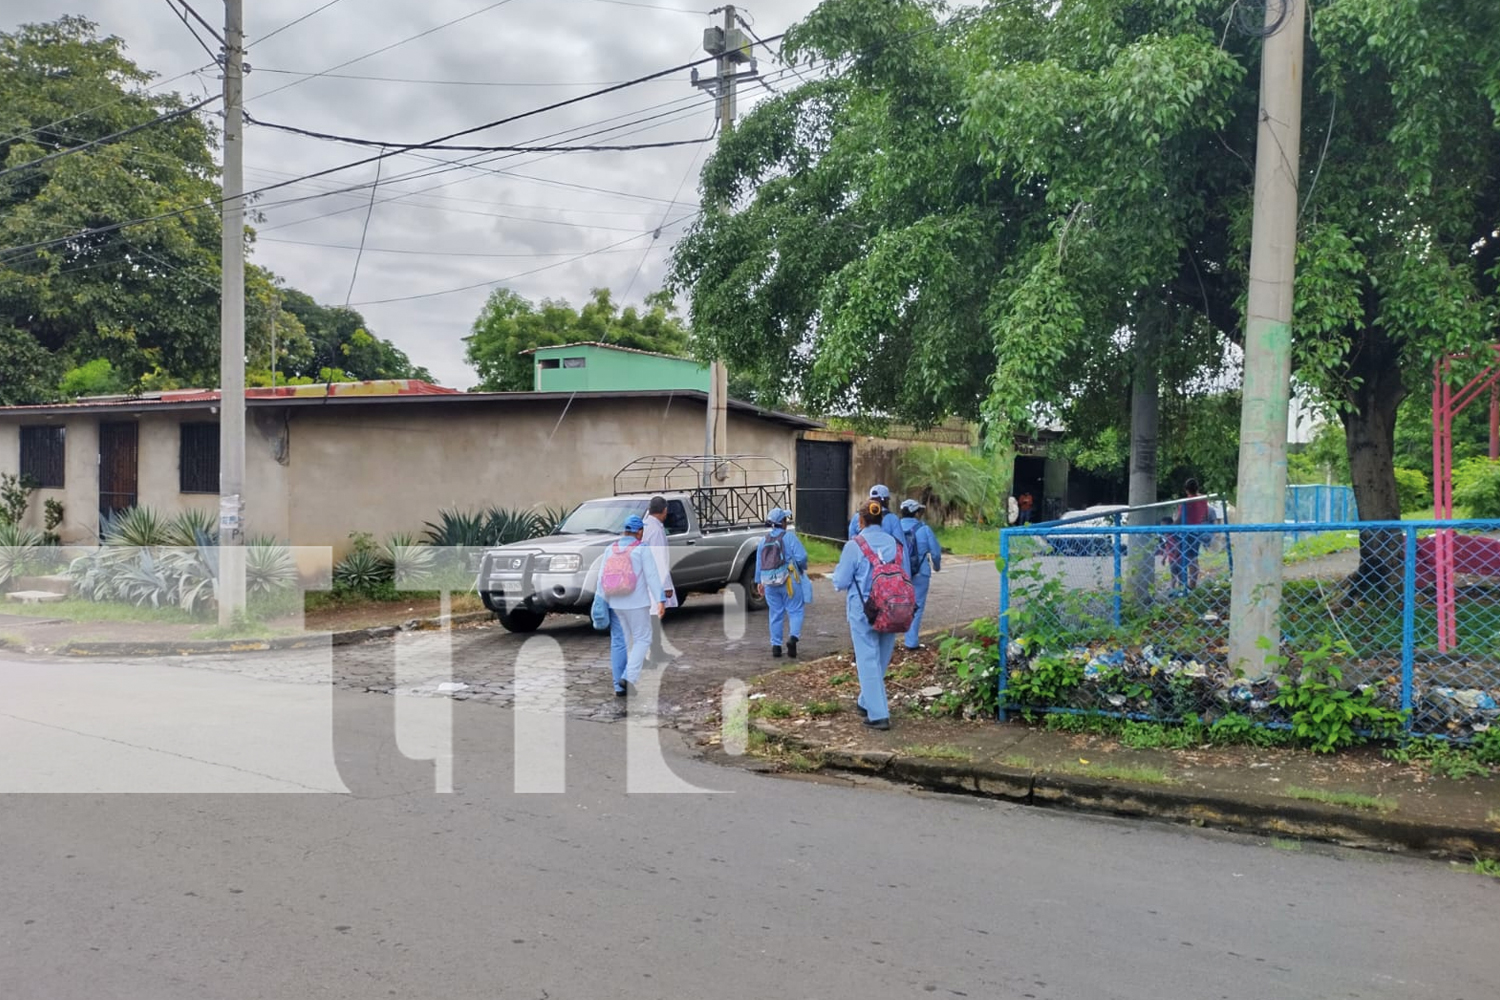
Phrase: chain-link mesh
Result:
[1134,621]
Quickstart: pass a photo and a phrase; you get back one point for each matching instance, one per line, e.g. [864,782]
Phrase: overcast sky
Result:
[520,55]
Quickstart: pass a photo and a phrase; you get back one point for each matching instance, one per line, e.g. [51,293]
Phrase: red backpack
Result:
[892,601]
[618,578]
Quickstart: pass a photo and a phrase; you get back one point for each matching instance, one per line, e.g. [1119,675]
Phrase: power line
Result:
[443,83]
[182,16]
[385,48]
[655,6]
[657,234]
[100,107]
[409,251]
[293,24]
[159,120]
[513,277]
[352,141]
[369,212]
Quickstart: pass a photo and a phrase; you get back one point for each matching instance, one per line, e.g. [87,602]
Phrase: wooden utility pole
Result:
[732,48]
[232,327]
[1255,596]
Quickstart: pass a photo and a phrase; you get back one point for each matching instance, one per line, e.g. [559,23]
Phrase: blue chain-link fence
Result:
[1133,621]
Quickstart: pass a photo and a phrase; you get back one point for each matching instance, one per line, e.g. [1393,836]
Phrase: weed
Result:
[803,763]
[1351,800]
[1325,714]
[1441,758]
[909,671]
[937,752]
[1016,760]
[1151,735]
[1486,747]
[1487,866]
[1139,775]
[1235,729]
[773,709]
[839,680]
[1283,844]
[816,708]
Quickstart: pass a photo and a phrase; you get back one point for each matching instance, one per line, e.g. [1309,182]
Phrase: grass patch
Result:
[12,641]
[803,763]
[839,680]
[1487,866]
[772,709]
[1116,772]
[1349,800]
[1283,844]
[821,553]
[908,671]
[77,610]
[937,752]
[816,708]
[1016,760]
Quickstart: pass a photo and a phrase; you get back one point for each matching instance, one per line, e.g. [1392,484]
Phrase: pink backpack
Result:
[617,578]
[892,602]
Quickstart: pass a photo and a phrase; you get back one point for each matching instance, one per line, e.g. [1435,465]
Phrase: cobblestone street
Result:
[711,642]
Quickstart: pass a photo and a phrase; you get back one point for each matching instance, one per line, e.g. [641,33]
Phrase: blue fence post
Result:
[1119,589]
[1408,623]
[1228,535]
[1004,622]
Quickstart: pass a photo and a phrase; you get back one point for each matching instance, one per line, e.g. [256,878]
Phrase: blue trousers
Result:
[785,610]
[920,585]
[872,657]
[629,643]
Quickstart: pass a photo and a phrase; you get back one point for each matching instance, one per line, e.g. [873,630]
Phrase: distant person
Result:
[655,540]
[872,570]
[889,523]
[627,594]
[1024,505]
[781,578]
[924,557]
[1170,552]
[1194,510]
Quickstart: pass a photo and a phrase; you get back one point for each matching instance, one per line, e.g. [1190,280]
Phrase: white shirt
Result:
[655,538]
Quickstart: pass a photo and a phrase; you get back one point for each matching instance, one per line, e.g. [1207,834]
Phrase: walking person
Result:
[924,557]
[889,522]
[655,540]
[1194,510]
[872,569]
[780,577]
[1169,549]
[1025,503]
[628,593]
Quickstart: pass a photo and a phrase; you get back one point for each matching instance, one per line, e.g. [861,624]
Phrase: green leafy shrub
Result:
[18,552]
[950,481]
[1326,715]
[15,497]
[1413,490]
[1239,730]
[1486,747]
[54,520]
[1476,487]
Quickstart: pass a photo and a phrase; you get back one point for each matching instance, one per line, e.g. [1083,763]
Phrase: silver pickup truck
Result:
[712,531]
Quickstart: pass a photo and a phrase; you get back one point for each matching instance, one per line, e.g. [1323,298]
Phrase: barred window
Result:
[198,462]
[42,453]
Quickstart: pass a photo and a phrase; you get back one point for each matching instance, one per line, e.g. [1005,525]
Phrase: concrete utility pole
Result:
[232,327]
[1255,597]
[732,47]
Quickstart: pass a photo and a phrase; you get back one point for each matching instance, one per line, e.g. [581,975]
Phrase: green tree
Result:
[330,337]
[143,297]
[509,324]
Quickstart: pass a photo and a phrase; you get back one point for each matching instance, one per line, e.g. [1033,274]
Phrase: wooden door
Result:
[118,452]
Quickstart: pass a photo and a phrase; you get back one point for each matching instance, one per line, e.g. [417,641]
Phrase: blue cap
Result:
[634,523]
[778,516]
[880,493]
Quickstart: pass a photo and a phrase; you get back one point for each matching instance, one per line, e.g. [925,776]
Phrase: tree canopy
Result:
[142,299]
[509,324]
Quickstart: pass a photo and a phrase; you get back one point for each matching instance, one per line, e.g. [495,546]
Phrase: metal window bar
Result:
[1064,614]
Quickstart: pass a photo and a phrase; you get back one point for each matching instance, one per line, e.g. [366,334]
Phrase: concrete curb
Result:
[1253,814]
[219,647]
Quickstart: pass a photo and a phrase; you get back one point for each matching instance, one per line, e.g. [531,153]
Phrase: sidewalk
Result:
[806,719]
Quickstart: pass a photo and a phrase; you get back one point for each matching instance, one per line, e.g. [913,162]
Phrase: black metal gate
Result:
[823,488]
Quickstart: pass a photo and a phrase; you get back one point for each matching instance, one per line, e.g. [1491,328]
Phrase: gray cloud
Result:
[541,44]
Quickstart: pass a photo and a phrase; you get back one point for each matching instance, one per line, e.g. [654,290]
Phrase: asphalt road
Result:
[771,888]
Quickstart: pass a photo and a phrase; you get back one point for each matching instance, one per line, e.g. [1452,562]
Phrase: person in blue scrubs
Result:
[890,522]
[872,650]
[924,558]
[629,615]
[782,587]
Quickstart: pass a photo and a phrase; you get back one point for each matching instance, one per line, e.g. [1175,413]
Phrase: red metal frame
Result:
[1446,406]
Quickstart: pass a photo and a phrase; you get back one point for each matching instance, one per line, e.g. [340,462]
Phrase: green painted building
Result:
[594,367]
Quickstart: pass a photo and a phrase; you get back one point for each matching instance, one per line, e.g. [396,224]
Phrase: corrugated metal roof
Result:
[317,390]
[612,347]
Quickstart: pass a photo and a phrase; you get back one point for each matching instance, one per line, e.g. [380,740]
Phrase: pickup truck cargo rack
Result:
[727,491]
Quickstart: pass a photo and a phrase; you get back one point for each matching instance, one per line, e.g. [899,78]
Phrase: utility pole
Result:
[1255,594]
[232,327]
[732,47]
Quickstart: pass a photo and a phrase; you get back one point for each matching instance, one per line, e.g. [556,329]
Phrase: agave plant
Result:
[548,519]
[362,571]
[269,568]
[192,528]
[410,561]
[136,528]
[19,551]
[193,575]
[142,581]
[505,527]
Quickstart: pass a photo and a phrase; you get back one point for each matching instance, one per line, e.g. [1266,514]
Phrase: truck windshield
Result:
[601,517]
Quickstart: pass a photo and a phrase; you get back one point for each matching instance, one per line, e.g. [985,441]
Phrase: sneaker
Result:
[791,647]
[619,692]
[775,652]
[863,712]
[881,724]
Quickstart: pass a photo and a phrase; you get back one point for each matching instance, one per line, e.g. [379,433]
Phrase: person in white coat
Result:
[655,539]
